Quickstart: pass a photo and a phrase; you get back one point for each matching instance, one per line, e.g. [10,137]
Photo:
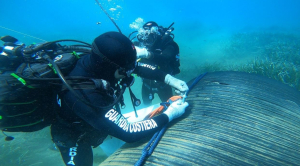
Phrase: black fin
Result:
[9,39]
[9,138]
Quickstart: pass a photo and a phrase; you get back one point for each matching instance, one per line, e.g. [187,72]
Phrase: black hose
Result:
[76,95]
[66,40]
[43,46]
[131,34]
[133,99]
[76,48]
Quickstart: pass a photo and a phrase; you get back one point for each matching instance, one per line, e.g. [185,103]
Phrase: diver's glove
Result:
[142,52]
[176,83]
[176,109]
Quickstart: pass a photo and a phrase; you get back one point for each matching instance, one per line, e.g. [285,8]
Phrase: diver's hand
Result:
[142,52]
[176,83]
[176,109]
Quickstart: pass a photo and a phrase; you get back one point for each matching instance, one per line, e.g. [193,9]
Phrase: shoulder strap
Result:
[98,84]
[167,40]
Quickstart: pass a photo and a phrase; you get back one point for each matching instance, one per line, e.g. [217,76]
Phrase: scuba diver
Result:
[156,49]
[85,122]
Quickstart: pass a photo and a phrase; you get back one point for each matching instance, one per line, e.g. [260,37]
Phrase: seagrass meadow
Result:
[272,54]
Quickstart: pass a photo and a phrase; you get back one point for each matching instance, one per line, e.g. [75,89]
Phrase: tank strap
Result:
[76,84]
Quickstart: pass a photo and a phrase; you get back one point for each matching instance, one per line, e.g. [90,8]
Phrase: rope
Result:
[149,148]
[22,33]
[99,4]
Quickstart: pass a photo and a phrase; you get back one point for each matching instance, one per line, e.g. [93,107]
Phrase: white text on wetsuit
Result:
[146,65]
[72,154]
[122,122]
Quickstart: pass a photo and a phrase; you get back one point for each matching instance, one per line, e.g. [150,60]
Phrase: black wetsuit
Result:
[164,56]
[79,126]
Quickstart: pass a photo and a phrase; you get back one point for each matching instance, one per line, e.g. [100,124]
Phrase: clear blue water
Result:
[51,20]
[201,29]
